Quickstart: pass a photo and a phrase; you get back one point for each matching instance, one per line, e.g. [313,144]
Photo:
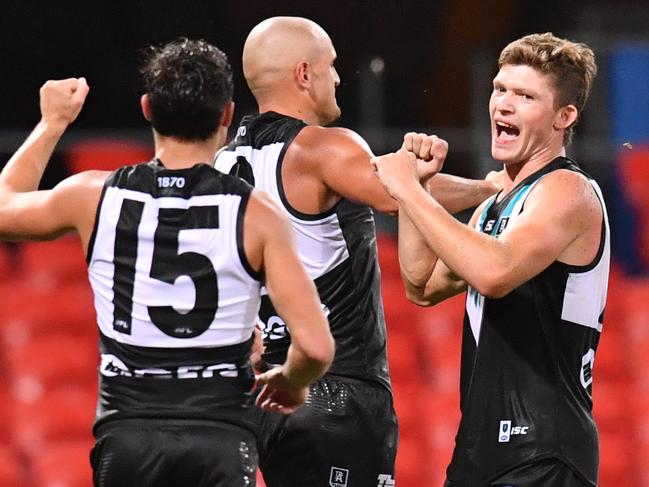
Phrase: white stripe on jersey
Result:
[320,242]
[583,286]
[238,292]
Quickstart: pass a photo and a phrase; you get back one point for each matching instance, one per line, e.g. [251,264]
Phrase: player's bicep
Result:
[35,215]
[347,171]
[548,225]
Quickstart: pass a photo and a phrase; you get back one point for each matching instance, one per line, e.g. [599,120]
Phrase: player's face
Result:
[522,116]
[325,82]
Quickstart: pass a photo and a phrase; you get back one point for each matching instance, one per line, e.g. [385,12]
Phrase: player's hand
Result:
[62,100]
[397,172]
[278,394]
[430,152]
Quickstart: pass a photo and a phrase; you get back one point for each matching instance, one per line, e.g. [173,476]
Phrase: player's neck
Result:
[177,154]
[291,109]
[516,172]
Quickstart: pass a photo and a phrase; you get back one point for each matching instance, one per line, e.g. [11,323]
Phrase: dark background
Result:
[426,45]
[439,58]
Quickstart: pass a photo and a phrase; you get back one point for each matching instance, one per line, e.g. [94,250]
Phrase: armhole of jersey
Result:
[602,241]
[240,249]
[93,235]
[282,194]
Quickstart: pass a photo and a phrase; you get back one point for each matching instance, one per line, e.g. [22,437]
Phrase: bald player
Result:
[346,433]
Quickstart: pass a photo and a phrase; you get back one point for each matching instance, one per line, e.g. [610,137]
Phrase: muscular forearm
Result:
[416,260]
[301,369]
[476,258]
[25,169]
[455,194]
[426,279]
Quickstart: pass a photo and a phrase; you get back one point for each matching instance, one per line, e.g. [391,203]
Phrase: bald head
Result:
[276,46]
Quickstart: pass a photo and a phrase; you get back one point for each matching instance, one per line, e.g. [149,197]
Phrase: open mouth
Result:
[506,132]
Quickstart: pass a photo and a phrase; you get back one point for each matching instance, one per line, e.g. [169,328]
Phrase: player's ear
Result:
[228,114]
[146,107]
[565,117]
[303,74]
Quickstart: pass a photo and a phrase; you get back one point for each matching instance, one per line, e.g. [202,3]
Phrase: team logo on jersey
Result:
[385,480]
[506,431]
[338,477]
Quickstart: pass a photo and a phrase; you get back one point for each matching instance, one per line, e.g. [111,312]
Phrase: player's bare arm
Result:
[426,279]
[268,239]
[335,162]
[28,214]
[549,229]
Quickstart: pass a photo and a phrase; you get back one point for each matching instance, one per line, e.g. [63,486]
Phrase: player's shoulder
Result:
[262,204]
[570,192]
[92,180]
[327,141]
[264,215]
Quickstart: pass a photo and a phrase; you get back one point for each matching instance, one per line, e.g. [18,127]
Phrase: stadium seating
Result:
[48,350]
[105,154]
[64,464]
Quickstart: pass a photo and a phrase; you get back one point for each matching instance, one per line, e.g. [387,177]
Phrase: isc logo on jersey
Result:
[505,432]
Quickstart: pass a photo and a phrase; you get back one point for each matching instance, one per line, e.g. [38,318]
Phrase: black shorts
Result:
[345,435]
[543,473]
[156,453]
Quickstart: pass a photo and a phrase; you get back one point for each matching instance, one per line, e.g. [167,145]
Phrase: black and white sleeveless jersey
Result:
[176,299]
[338,249]
[527,360]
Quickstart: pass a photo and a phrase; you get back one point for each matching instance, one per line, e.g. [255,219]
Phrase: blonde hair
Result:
[571,66]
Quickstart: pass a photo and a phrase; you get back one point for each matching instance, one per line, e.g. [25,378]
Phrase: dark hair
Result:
[189,83]
[571,65]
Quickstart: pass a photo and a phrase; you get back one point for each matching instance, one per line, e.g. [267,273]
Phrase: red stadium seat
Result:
[50,362]
[610,406]
[388,257]
[11,469]
[615,460]
[612,346]
[63,464]
[403,357]
[6,263]
[61,415]
[25,315]
[49,264]
[106,154]
[412,464]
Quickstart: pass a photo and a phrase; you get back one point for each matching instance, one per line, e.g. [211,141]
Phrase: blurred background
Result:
[405,65]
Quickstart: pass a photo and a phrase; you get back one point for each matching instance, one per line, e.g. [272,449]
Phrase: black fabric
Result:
[345,425]
[149,453]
